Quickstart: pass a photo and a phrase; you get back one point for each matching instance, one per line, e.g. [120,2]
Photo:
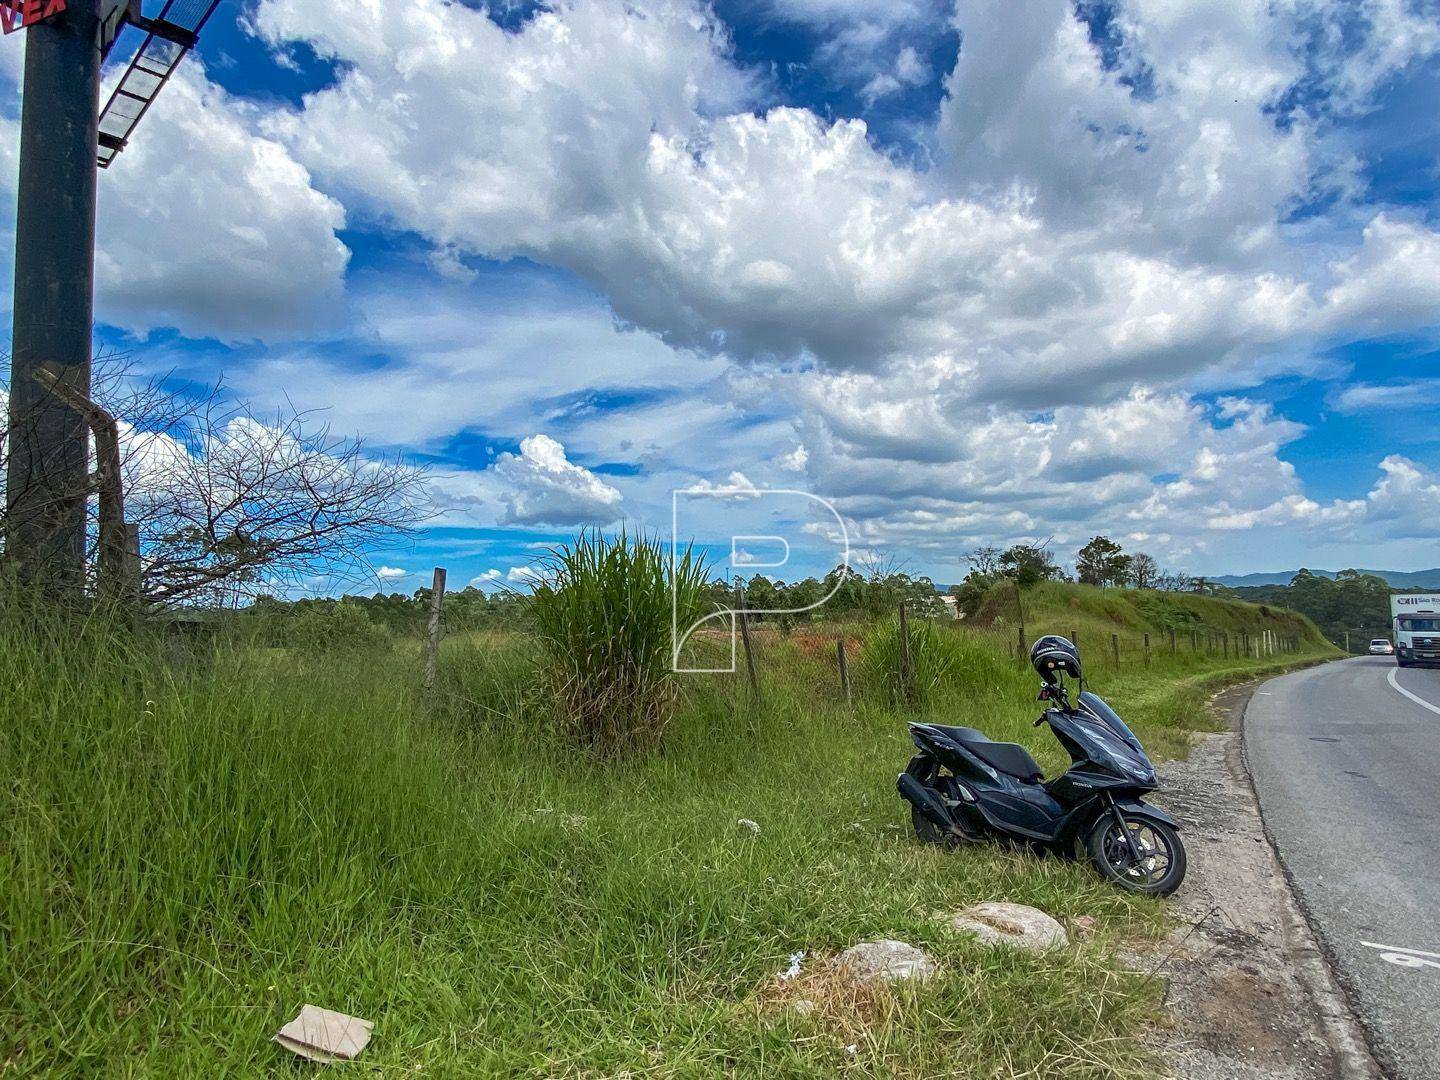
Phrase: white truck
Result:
[1416,620]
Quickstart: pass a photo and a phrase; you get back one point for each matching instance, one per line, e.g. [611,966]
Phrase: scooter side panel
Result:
[1023,808]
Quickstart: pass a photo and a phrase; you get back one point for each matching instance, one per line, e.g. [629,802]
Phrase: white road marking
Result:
[1406,693]
[1407,958]
[1401,948]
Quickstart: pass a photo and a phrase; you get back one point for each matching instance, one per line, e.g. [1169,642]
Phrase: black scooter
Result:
[963,787]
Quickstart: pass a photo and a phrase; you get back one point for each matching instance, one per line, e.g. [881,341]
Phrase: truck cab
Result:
[1416,621]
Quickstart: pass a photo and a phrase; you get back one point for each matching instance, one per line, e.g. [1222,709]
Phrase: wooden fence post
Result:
[745,641]
[1075,639]
[1172,642]
[904,650]
[134,583]
[1147,650]
[1225,644]
[1115,648]
[112,538]
[1020,641]
[432,629]
[844,670]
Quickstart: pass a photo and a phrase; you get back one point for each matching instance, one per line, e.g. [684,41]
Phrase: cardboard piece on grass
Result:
[322,1035]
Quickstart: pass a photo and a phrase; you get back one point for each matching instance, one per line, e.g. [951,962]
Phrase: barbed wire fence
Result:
[837,656]
[831,657]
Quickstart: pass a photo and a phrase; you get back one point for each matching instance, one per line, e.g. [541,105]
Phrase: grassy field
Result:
[192,851]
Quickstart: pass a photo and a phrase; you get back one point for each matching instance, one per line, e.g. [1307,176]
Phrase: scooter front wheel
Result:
[1161,867]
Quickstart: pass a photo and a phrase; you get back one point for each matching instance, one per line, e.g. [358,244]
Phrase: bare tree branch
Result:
[228,505]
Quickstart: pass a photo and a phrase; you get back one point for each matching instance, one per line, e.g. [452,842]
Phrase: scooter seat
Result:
[1008,757]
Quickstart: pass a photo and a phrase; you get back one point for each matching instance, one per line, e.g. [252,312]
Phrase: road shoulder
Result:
[1250,992]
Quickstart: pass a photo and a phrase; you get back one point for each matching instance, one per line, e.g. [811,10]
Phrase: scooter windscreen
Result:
[1095,705]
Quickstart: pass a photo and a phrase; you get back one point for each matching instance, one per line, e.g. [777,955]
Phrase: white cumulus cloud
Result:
[541,486]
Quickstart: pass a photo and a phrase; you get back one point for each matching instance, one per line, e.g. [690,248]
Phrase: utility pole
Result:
[54,295]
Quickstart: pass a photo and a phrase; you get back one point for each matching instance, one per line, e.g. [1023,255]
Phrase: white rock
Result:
[884,961]
[1011,924]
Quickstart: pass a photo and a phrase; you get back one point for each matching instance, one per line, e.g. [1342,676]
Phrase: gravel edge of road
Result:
[1249,992]
[1337,1018]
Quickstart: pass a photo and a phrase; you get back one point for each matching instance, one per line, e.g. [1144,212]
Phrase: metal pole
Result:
[53,296]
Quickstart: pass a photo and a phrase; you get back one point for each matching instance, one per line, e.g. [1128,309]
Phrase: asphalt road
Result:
[1346,763]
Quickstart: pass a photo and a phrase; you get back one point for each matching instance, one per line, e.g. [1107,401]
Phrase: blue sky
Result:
[976,275]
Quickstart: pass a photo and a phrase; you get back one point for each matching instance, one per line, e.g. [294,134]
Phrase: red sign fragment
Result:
[18,14]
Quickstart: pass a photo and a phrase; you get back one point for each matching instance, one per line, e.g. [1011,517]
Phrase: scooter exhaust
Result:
[927,802]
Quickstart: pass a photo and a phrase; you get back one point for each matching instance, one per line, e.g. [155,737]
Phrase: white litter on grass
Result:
[794,968]
[753,826]
[322,1035]
[852,1048]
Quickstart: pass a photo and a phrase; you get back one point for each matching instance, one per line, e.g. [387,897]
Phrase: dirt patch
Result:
[1249,991]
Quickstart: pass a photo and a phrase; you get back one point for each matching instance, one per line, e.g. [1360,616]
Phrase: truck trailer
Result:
[1415,618]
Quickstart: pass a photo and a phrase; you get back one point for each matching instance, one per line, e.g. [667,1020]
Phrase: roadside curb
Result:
[1339,1022]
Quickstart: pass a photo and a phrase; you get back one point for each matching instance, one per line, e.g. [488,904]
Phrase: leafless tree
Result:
[984,560]
[228,504]
[1144,571]
[1175,581]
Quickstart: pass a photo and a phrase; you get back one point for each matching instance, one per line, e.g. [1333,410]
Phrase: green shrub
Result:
[339,627]
[603,611]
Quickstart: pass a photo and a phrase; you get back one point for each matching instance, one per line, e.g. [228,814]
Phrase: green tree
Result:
[1102,562]
[1029,564]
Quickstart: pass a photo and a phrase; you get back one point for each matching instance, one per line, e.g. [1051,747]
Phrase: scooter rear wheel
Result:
[1162,865]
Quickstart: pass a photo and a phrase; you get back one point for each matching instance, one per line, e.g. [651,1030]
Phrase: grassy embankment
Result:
[190,854]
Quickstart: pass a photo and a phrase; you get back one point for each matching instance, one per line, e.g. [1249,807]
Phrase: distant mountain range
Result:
[1398,579]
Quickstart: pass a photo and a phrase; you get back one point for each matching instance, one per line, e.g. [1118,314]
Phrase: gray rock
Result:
[1011,924]
[884,961]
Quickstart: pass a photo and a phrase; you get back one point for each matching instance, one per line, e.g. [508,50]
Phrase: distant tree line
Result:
[1100,562]
[876,588]
[1353,601]
[470,608]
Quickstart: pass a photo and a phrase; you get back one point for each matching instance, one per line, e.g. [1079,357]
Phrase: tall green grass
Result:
[190,853]
[937,659]
[603,612]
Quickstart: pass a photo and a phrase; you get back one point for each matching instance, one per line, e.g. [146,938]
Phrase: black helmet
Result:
[1052,656]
